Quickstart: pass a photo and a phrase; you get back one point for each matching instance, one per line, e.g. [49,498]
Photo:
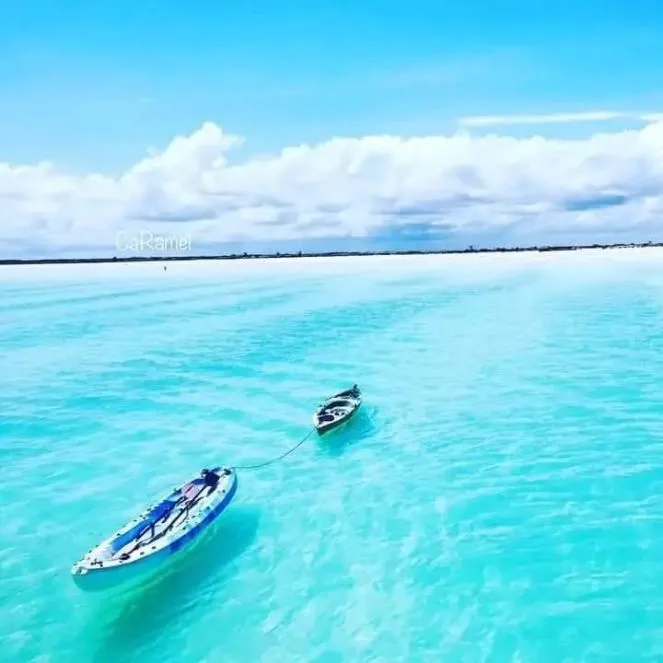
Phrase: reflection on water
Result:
[134,619]
[339,440]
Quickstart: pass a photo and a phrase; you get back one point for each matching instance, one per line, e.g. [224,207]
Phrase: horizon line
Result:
[322,254]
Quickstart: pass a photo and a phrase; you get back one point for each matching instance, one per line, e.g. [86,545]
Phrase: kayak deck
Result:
[162,526]
[337,409]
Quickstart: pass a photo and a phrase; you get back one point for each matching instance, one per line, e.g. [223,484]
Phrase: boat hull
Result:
[100,579]
[322,429]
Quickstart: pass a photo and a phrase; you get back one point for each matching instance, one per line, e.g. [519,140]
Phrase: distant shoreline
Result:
[320,254]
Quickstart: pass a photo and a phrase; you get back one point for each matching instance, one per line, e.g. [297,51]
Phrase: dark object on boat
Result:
[337,410]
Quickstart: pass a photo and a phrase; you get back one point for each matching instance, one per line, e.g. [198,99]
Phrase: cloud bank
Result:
[461,188]
[555,118]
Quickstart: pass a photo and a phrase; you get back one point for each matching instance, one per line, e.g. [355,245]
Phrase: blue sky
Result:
[194,114]
[92,85]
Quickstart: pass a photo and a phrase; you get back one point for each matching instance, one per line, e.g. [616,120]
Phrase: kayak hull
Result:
[337,410]
[93,579]
[322,429]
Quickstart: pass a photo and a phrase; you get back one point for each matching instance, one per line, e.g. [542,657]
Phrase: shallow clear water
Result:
[499,498]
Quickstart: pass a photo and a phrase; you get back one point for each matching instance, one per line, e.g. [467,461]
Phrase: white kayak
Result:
[337,410]
[144,544]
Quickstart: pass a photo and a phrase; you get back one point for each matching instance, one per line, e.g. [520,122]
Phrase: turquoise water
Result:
[499,498]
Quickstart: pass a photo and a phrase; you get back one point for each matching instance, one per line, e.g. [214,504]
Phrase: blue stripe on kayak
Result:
[212,515]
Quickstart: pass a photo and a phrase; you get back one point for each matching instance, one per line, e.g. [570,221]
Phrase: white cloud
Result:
[651,117]
[487,188]
[555,118]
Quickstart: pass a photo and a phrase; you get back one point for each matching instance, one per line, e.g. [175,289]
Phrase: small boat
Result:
[337,410]
[145,543]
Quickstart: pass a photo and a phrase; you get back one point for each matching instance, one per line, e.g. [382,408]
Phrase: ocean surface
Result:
[499,498]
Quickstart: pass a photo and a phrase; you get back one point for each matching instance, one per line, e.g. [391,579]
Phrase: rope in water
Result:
[278,458]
